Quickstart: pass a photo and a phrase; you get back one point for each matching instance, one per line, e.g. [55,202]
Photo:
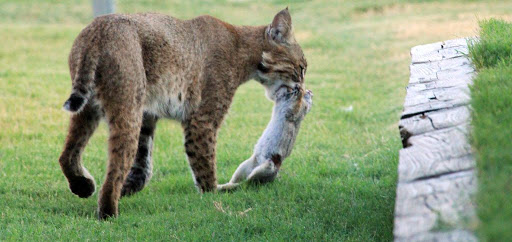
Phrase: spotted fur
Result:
[142,168]
[134,69]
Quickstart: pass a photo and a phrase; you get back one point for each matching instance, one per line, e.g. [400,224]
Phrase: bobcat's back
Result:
[175,56]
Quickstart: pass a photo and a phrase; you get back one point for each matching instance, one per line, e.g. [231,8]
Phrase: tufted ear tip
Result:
[283,16]
[280,30]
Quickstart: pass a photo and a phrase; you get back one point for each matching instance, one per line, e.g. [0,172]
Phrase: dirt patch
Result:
[466,24]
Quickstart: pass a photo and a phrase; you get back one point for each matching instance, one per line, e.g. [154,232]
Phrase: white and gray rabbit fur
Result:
[276,142]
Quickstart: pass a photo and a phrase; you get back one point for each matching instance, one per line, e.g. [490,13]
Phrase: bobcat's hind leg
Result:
[81,128]
[142,168]
[124,122]
[121,85]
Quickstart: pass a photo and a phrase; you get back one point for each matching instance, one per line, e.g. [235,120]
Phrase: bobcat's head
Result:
[283,62]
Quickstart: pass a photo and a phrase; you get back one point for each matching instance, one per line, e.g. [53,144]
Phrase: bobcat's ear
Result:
[280,30]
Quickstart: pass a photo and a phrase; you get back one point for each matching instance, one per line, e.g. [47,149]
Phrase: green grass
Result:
[492,136]
[494,45]
[338,184]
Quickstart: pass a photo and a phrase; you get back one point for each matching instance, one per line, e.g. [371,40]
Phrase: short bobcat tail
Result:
[83,84]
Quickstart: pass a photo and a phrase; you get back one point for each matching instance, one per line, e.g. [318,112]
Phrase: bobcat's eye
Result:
[302,72]
[263,68]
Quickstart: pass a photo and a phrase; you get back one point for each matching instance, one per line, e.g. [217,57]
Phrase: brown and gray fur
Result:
[277,141]
[135,69]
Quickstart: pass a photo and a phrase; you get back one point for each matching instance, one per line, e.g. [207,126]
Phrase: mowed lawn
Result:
[339,182]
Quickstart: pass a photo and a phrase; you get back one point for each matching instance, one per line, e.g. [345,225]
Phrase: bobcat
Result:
[277,140]
[135,69]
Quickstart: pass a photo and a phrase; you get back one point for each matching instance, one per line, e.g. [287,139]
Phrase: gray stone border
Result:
[436,177]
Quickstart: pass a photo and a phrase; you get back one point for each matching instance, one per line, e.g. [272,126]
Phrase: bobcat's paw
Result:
[82,186]
[136,179]
[106,213]
[107,209]
[132,186]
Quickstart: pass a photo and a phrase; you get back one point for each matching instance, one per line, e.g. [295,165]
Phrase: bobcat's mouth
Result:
[271,91]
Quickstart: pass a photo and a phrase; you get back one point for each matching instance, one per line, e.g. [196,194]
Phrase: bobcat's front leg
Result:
[200,130]
[200,145]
